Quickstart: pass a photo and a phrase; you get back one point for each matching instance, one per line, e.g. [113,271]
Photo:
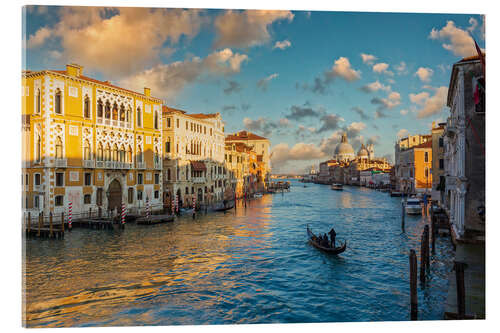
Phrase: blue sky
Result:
[299,78]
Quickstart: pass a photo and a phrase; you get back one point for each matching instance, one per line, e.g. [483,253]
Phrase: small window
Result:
[57,102]
[38,101]
[441,164]
[59,178]
[187,190]
[139,195]
[86,107]
[88,179]
[87,199]
[167,147]
[441,142]
[27,179]
[168,174]
[479,95]
[157,194]
[130,195]
[139,178]
[99,197]
[177,123]
[168,122]
[37,179]
[36,201]
[426,157]
[59,200]
[139,117]
[157,178]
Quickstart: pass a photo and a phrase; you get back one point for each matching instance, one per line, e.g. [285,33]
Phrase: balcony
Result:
[198,180]
[99,164]
[37,188]
[157,165]
[109,164]
[141,165]
[61,163]
[88,164]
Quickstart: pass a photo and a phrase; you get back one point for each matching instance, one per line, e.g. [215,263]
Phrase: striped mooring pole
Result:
[70,208]
[123,213]
[176,204]
[194,206]
[147,208]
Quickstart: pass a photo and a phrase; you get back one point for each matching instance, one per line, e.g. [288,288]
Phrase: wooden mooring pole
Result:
[62,222]
[40,218]
[426,245]
[422,258]
[50,225]
[413,286]
[459,271]
[29,222]
[402,216]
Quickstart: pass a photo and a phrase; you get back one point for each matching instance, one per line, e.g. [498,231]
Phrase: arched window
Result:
[86,150]
[168,174]
[57,101]
[38,101]
[156,120]
[115,111]
[139,117]
[38,148]
[128,114]
[108,153]
[129,154]
[107,112]
[100,152]
[86,107]
[139,155]
[122,154]
[122,113]
[115,152]
[99,108]
[59,147]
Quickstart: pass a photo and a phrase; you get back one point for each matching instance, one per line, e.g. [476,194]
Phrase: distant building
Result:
[402,171]
[415,168]
[464,143]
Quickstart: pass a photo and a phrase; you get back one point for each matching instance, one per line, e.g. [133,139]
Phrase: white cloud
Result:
[282,153]
[460,41]
[403,112]
[282,44]
[167,80]
[424,74]
[473,24]
[401,68]
[130,40]
[342,67]
[430,105]
[375,86]
[247,28]
[263,83]
[402,133]
[368,58]
[382,67]
[419,98]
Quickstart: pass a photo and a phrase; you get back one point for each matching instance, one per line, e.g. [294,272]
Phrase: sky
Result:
[299,78]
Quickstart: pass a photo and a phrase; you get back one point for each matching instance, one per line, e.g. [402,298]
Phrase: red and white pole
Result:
[123,213]
[194,206]
[70,208]
[147,208]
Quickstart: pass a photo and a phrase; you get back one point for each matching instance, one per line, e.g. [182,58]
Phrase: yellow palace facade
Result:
[88,142]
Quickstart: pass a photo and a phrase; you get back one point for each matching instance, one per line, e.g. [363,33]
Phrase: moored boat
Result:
[332,250]
[155,219]
[337,187]
[413,207]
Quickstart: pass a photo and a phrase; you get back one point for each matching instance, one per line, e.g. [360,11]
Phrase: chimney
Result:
[147,92]
[74,70]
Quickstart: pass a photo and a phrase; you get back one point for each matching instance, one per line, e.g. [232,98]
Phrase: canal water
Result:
[252,265]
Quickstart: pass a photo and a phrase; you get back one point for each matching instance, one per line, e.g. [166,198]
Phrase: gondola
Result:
[223,208]
[155,219]
[336,250]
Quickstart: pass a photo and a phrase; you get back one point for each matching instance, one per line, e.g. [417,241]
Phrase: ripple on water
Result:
[252,265]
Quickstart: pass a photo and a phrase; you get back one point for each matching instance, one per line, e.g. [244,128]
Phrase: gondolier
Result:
[317,240]
[332,234]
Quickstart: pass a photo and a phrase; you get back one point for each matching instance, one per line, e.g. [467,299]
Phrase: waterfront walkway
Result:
[473,255]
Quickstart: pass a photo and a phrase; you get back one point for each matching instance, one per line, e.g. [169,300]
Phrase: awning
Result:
[198,166]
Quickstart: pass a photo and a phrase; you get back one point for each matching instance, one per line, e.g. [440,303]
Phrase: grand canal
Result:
[252,265]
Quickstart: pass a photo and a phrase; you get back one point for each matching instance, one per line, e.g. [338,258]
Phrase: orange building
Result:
[416,166]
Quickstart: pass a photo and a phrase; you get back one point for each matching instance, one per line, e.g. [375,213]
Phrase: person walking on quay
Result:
[333,234]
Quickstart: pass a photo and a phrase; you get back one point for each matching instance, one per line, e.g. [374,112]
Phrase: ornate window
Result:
[139,155]
[86,107]
[38,104]
[100,152]
[86,150]
[122,154]
[129,111]
[156,120]
[129,154]
[38,147]
[59,147]
[57,101]
[139,117]
[115,152]
[122,113]
[99,108]
[115,111]
[107,153]
[107,112]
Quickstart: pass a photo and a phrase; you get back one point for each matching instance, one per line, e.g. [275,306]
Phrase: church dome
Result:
[344,150]
[363,152]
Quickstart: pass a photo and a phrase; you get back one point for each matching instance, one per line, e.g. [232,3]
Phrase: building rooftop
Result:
[244,135]
[427,144]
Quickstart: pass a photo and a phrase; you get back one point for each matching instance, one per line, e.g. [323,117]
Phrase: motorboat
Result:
[412,206]
[337,187]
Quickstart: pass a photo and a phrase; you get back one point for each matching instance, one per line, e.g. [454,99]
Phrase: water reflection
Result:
[249,265]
